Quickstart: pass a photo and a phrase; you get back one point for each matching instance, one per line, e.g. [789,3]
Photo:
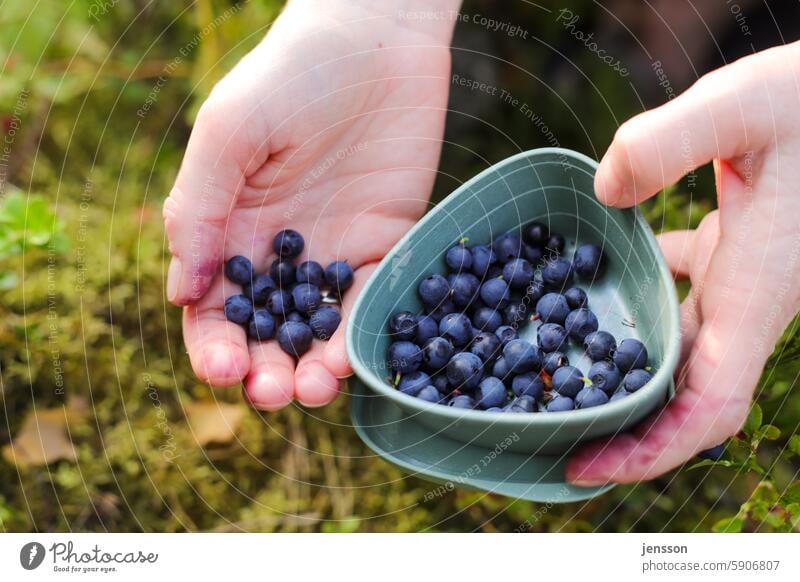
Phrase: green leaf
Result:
[709,463]
[792,493]
[794,444]
[754,419]
[769,432]
[729,525]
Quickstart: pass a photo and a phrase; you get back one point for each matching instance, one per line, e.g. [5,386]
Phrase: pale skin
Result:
[331,84]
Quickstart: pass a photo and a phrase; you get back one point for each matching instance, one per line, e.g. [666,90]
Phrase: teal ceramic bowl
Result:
[635,298]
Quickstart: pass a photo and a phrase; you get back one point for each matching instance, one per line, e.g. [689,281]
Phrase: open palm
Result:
[336,138]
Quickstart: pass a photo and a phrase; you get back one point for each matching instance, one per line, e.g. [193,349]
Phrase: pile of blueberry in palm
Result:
[465,350]
[288,301]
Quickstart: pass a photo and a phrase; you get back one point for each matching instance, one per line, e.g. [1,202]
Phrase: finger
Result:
[270,383]
[335,355]
[196,211]
[718,117]
[314,384]
[676,247]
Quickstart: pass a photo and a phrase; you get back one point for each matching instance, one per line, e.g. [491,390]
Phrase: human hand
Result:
[332,126]
[742,260]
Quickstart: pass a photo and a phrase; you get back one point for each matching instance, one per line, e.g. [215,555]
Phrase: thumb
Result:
[197,209]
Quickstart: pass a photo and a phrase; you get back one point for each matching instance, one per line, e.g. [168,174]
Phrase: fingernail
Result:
[174,278]
[612,187]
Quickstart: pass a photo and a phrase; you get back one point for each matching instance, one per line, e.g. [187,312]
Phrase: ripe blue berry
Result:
[487,319]
[261,326]
[529,384]
[522,404]
[551,337]
[553,308]
[486,346]
[521,356]
[441,310]
[507,247]
[457,328]
[482,259]
[576,298]
[618,395]
[568,381]
[295,316]
[440,383]
[427,328]
[630,354]
[464,371]
[590,396]
[430,394]
[283,273]
[239,269]
[491,393]
[500,369]
[495,293]
[403,326]
[280,302]
[560,404]
[433,290]
[437,352]
[413,382]
[556,243]
[404,357]
[553,361]
[557,273]
[514,313]
[518,273]
[588,261]
[713,454]
[310,272]
[533,293]
[531,254]
[458,258]
[505,333]
[259,288]
[306,297]
[462,401]
[339,275]
[599,345]
[635,379]
[465,288]
[288,243]
[238,309]
[536,234]
[580,323]
[604,375]
[324,322]
[295,338]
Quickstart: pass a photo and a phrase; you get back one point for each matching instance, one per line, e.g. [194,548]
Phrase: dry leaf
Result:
[42,439]
[213,422]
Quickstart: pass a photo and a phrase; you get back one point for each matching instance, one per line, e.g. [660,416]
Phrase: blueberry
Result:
[576,298]
[295,338]
[441,310]
[536,234]
[306,297]
[238,309]
[430,394]
[630,354]
[556,243]
[514,313]
[518,273]
[491,393]
[309,272]
[487,319]
[604,375]
[462,401]
[494,409]
[551,337]
[713,454]
[440,383]
[482,259]
[339,275]
[413,382]
[523,404]
[529,384]
[495,293]
[261,326]
[486,346]
[324,322]
[560,404]
[500,369]
[494,272]
[464,371]
[288,243]
[580,323]
[404,357]
[465,288]
[433,290]
[505,333]
[635,379]
[437,352]
[590,396]
[599,345]
[507,247]
[427,328]
[534,292]
[521,356]
[282,272]
[259,289]
[553,361]
[568,381]
[557,273]
[239,269]
[280,302]
[403,325]
[295,316]
[531,254]
[619,395]
[457,328]
[458,258]
[588,261]
[553,308]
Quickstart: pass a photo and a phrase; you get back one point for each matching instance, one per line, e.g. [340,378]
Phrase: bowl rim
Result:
[662,377]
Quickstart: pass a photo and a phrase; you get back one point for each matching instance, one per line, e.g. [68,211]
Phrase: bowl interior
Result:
[635,297]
